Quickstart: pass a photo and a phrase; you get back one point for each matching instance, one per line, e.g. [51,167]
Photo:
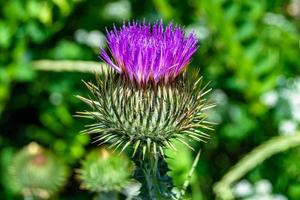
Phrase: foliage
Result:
[249,51]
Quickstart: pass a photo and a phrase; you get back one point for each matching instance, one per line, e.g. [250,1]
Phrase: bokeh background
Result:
[249,51]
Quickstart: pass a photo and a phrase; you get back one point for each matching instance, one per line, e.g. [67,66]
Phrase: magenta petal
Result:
[149,53]
[106,58]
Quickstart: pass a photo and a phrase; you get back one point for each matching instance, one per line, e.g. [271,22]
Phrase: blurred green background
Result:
[249,51]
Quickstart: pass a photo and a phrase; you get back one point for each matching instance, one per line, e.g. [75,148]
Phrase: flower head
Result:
[32,172]
[104,171]
[169,106]
[149,53]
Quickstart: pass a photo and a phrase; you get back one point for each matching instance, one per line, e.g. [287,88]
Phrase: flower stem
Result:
[151,171]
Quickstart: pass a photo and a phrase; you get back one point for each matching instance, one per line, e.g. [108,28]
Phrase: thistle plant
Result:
[147,99]
[36,173]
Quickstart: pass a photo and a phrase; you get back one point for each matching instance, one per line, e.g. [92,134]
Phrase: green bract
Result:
[146,117]
[103,171]
[35,172]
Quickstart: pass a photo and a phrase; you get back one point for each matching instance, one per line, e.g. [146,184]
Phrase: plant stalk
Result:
[151,172]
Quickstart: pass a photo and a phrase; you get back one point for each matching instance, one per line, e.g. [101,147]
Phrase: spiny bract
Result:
[37,173]
[104,171]
[147,117]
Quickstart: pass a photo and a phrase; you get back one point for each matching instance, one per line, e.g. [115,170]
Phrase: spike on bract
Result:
[146,118]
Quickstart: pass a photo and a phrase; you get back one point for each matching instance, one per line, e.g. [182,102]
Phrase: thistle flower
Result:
[145,53]
[147,99]
[104,171]
[36,172]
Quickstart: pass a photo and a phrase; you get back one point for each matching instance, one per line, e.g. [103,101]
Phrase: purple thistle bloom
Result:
[144,53]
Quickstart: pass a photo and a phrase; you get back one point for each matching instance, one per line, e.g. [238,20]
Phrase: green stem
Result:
[188,179]
[151,172]
[69,66]
[273,146]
